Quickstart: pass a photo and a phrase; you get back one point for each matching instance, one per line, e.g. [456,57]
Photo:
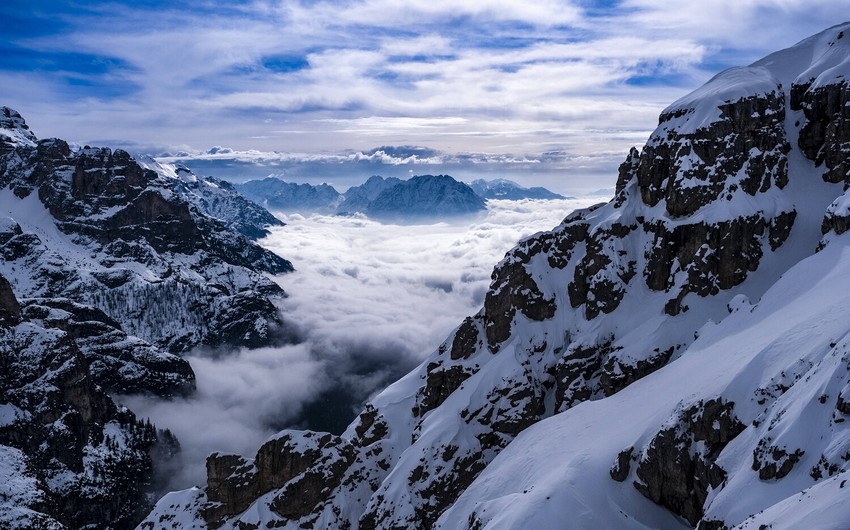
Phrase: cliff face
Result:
[659,358]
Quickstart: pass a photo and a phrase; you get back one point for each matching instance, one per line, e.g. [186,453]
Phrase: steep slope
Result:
[509,190]
[216,198]
[69,457]
[675,357]
[124,235]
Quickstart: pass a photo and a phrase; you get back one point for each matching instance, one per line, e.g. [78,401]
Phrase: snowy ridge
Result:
[677,357]
[153,246]
[509,190]
[216,198]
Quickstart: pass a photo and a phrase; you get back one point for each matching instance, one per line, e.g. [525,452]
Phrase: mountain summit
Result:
[677,357]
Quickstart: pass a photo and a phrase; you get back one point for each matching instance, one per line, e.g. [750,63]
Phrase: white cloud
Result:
[369,300]
[240,399]
[491,76]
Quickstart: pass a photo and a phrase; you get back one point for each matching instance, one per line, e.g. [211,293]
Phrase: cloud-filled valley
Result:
[368,301]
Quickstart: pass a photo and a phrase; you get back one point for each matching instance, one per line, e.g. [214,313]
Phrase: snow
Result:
[701,107]
[9,414]
[776,346]
[564,460]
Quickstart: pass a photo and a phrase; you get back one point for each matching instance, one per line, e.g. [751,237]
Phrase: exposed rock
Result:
[162,268]
[622,465]
[441,381]
[825,135]
[617,374]
[512,288]
[600,278]
[305,466]
[466,341]
[87,460]
[10,309]
[676,470]
[691,170]
[774,462]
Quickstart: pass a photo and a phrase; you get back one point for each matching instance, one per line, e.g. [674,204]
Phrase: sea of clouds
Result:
[368,302]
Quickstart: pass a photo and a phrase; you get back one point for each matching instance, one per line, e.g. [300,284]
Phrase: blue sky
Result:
[549,92]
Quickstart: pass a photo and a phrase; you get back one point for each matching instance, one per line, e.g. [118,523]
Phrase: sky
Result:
[368,302]
[547,92]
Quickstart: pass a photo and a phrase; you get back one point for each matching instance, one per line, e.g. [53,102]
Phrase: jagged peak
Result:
[14,130]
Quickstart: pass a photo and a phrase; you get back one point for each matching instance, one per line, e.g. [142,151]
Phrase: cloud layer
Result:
[491,77]
[369,302]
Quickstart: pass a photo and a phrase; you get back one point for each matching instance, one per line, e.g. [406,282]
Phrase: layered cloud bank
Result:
[488,78]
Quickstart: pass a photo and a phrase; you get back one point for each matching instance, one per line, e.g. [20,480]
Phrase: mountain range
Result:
[424,196]
[678,357]
[504,189]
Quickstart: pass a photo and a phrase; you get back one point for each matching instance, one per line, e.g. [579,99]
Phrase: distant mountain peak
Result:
[509,190]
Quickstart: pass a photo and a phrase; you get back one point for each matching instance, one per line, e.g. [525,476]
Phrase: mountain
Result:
[69,457]
[110,265]
[276,194]
[425,196]
[419,197]
[216,198]
[676,357]
[509,190]
[357,198]
[128,237]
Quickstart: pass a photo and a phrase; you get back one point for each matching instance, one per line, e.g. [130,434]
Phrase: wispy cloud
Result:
[492,76]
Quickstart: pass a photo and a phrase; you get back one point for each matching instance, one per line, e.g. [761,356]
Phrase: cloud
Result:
[241,398]
[494,76]
[561,171]
[369,302]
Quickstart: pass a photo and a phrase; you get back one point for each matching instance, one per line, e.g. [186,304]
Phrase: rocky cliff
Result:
[110,265]
[676,357]
[135,239]
[69,457]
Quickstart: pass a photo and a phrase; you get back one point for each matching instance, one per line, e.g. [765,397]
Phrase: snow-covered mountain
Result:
[425,196]
[216,198]
[676,357]
[509,190]
[69,457]
[277,194]
[357,198]
[150,245]
[108,261]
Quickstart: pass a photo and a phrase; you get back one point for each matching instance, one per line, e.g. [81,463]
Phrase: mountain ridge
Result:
[419,197]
